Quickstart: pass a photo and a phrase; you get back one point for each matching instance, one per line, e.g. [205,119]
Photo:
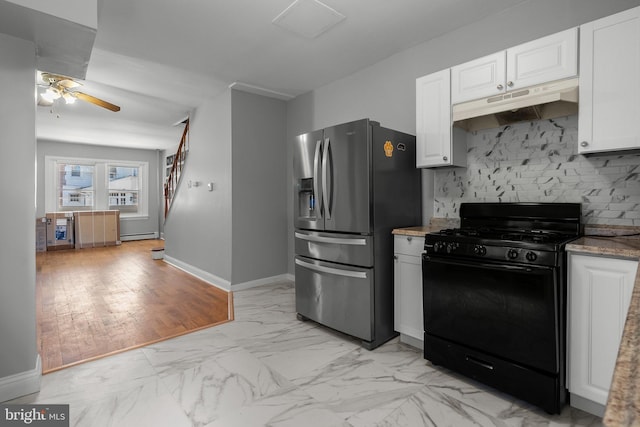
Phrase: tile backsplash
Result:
[539,162]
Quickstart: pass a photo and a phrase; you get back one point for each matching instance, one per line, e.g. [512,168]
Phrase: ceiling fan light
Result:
[68,98]
[47,96]
[51,93]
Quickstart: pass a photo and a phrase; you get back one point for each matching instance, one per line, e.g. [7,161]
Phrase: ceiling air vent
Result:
[308,18]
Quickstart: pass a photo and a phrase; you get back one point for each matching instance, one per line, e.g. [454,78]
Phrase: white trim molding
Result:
[223,284]
[212,279]
[22,383]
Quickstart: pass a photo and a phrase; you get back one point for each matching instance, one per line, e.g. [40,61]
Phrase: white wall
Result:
[18,354]
[385,92]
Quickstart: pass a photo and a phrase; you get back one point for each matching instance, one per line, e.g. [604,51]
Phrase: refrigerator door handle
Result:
[317,190]
[331,270]
[328,190]
[336,240]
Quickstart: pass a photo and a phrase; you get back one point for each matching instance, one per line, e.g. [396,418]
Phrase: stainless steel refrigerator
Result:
[354,183]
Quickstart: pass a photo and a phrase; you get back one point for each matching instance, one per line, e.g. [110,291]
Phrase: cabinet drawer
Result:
[408,245]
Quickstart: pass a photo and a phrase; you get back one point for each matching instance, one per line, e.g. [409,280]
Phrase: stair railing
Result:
[171,184]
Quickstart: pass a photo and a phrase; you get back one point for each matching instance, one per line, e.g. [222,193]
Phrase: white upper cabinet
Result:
[550,58]
[547,59]
[434,134]
[609,109]
[433,120]
[479,78]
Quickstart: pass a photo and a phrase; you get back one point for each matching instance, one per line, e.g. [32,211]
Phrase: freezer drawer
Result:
[337,296]
[352,249]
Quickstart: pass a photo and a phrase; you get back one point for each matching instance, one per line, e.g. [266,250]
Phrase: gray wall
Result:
[197,230]
[386,91]
[237,232]
[128,226]
[18,352]
[259,191]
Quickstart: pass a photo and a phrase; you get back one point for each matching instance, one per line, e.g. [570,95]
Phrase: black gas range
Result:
[494,295]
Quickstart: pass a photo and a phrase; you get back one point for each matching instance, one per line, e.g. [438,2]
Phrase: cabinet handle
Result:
[584,144]
[445,158]
[395,257]
[500,87]
[510,84]
[409,238]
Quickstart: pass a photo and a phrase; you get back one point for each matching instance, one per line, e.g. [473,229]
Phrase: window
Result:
[75,186]
[89,184]
[124,185]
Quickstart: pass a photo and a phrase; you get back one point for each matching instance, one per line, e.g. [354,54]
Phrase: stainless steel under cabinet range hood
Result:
[544,101]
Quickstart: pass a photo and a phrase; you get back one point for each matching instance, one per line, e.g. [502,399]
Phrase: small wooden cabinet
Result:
[599,295]
[408,289]
[97,228]
[609,84]
[543,60]
[434,134]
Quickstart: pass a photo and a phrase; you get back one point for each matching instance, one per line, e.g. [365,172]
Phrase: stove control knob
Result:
[512,254]
[451,247]
[531,256]
[438,247]
[479,250]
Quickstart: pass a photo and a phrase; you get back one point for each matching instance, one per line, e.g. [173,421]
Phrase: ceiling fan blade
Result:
[97,101]
[68,83]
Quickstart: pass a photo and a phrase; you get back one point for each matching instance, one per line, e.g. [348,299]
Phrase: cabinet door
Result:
[543,60]
[609,84]
[408,286]
[599,295]
[479,78]
[433,120]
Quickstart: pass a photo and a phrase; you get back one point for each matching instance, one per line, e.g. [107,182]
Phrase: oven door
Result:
[505,310]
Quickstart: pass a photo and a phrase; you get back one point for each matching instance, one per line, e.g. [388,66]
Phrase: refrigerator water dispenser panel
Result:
[306,199]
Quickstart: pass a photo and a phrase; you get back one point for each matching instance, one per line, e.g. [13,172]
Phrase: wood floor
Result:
[98,301]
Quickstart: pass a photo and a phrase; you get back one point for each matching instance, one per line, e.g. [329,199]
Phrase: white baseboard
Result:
[262,282]
[22,383]
[141,236]
[221,283]
[212,279]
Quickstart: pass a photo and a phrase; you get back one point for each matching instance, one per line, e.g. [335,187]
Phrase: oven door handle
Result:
[496,266]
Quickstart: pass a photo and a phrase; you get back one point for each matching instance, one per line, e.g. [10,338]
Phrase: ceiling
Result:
[159,59]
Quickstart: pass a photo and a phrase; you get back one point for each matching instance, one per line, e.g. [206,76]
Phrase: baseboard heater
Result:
[138,236]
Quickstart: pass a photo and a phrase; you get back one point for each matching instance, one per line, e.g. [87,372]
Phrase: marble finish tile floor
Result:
[266,368]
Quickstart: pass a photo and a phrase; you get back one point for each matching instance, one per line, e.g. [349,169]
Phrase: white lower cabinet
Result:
[408,289]
[599,295]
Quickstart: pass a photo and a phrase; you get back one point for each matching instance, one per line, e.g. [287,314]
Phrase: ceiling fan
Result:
[59,86]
